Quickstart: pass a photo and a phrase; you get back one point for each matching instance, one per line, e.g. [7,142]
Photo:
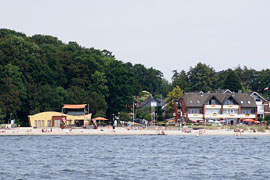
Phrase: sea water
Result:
[134,157]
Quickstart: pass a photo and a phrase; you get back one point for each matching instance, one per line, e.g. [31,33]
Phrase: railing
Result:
[213,106]
[227,116]
[195,115]
[230,106]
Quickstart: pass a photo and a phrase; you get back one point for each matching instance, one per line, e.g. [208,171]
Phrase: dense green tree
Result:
[121,87]
[248,78]
[2,116]
[174,96]
[180,79]
[150,79]
[264,80]
[232,81]
[16,76]
[201,78]
[10,97]
[124,116]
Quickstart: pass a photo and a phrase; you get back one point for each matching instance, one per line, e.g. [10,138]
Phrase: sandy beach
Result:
[122,131]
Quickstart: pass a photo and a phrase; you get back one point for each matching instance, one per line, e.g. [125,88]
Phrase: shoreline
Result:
[119,131]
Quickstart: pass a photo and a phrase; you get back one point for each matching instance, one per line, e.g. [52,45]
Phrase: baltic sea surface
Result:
[134,157]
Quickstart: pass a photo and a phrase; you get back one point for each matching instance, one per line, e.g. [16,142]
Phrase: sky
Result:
[164,34]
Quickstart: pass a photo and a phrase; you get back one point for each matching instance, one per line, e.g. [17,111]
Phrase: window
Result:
[190,101]
[49,123]
[194,111]
[242,102]
[230,111]
[198,102]
[153,104]
[213,101]
[247,111]
[229,102]
[39,123]
[248,102]
[42,123]
[212,111]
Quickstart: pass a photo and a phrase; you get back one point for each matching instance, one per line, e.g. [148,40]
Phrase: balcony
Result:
[247,116]
[213,116]
[213,106]
[230,107]
[230,116]
[195,115]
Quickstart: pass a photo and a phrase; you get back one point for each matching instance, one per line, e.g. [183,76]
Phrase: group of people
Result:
[46,130]
[201,132]
[238,132]
[160,130]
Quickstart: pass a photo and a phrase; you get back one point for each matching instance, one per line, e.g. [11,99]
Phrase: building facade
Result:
[71,115]
[229,107]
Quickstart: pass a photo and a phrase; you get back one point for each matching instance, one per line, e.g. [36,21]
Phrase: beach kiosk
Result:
[71,115]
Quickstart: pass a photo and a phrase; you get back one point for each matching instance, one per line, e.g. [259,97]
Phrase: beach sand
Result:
[121,131]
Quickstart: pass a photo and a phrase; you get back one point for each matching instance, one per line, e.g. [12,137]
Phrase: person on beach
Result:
[163,131]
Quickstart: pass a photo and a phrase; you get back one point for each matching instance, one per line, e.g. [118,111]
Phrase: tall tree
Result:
[174,96]
[264,80]
[9,96]
[180,79]
[201,77]
[232,81]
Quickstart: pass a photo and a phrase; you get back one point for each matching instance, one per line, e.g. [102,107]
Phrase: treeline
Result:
[41,73]
[202,77]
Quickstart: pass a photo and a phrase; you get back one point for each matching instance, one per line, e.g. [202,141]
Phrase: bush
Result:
[267,119]
[124,116]
[261,128]
[244,127]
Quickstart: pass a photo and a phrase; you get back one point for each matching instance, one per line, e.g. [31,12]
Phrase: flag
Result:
[266,89]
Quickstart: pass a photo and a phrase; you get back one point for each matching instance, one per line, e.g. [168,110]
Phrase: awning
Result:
[100,118]
[74,106]
[248,120]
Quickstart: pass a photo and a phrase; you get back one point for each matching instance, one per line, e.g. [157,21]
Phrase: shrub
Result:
[261,128]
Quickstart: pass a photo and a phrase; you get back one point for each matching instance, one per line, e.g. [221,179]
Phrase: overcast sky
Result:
[163,34]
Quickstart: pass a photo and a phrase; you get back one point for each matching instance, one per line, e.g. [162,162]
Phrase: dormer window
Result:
[242,102]
[248,102]
[190,101]
[198,102]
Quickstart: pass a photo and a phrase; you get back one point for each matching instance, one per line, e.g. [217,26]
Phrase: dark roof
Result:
[199,99]
[195,99]
[149,100]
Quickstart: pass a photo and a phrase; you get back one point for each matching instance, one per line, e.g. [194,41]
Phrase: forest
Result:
[41,73]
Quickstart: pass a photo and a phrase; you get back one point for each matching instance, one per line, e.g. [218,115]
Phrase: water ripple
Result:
[134,157]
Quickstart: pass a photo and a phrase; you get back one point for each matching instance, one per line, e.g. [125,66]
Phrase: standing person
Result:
[114,125]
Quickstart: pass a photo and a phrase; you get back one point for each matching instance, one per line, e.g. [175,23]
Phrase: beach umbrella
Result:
[222,121]
[202,121]
[100,119]
[257,122]
[194,120]
[248,120]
